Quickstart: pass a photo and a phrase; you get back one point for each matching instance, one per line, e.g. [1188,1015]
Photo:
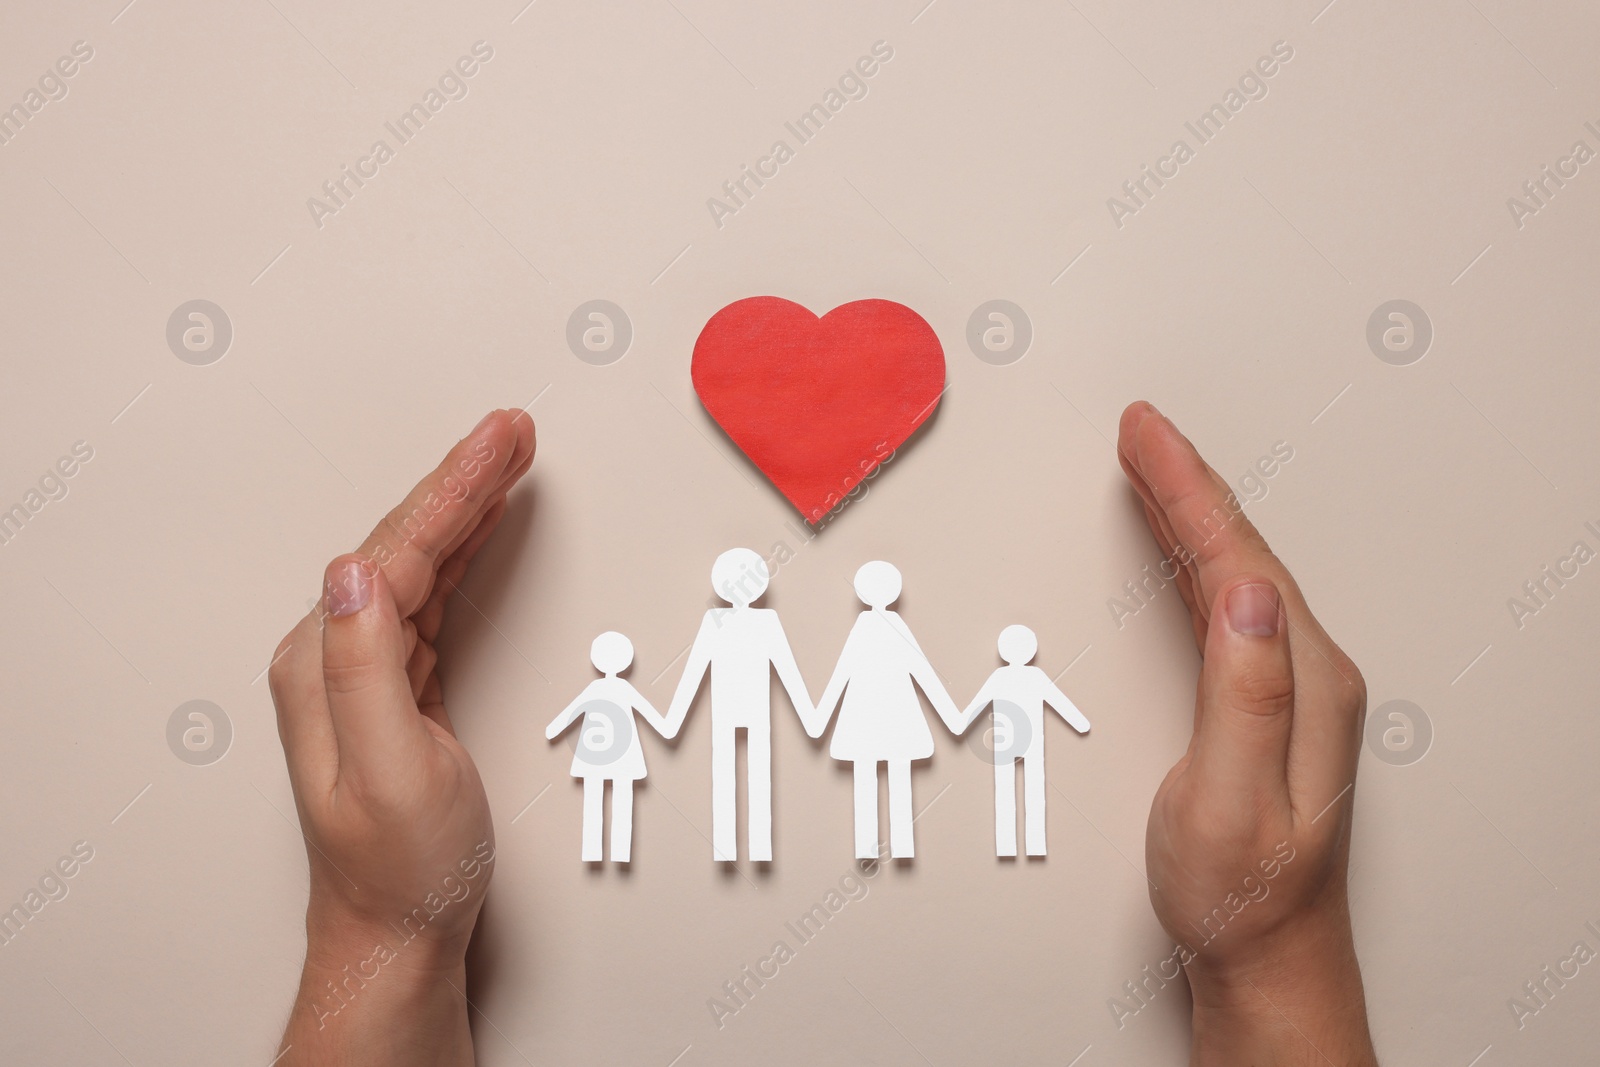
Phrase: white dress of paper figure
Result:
[608,745]
[739,646]
[1019,693]
[881,720]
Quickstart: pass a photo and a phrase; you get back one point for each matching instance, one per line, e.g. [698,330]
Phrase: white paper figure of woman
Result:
[608,745]
[881,719]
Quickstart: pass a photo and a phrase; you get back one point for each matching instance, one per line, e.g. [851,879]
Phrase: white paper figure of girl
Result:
[881,719]
[608,745]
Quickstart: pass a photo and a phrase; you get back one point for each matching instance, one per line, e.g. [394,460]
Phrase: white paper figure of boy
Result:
[1019,693]
[739,646]
[608,745]
[880,718]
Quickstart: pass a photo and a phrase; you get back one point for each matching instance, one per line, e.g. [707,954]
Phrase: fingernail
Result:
[346,587]
[1253,610]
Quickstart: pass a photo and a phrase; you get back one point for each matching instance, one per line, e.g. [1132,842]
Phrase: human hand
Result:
[394,814]
[1249,836]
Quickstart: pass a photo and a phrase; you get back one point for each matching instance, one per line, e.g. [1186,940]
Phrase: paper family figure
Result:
[873,688]
[1019,693]
[880,719]
[739,646]
[608,745]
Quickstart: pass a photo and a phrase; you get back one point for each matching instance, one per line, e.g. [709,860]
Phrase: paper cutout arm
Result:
[942,703]
[984,698]
[565,719]
[835,689]
[789,674]
[1066,709]
[928,679]
[694,671]
[648,712]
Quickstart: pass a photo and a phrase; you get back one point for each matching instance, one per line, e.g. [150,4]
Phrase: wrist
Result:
[414,943]
[1297,997]
[373,993]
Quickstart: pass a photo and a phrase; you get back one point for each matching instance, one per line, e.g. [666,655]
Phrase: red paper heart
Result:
[818,404]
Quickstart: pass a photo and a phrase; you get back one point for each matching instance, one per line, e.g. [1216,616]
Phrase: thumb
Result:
[376,724]
[1246,692]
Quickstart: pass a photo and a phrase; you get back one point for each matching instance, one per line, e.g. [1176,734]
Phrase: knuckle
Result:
[278,671]
[1358,682]
[1252,538]
[1213,524]
[421,668]
[1262,689]
[1350,684]
[287,670]
[1356,699]
[345,677]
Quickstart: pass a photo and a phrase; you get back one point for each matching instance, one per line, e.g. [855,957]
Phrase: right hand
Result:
[395,818]
[1249,835]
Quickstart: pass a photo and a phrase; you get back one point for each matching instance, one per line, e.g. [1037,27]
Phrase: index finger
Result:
[412,539]
[1202,516]
[1213,533]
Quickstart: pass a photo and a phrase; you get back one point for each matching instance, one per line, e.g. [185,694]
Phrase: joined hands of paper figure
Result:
[401,847]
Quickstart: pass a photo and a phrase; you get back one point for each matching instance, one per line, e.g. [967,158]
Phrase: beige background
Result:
[1419,498]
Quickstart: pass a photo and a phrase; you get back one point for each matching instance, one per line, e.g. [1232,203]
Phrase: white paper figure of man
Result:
[1019,693]
[880,718]
[740,646]
[608,745]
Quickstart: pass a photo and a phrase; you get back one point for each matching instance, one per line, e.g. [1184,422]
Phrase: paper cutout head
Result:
[740,576]
[878,584]
[1018,645]
[611,653]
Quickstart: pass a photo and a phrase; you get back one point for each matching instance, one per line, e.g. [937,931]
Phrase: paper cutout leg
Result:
[724,805]
[900,844]
[1005,807]
[866,810]
[758,790]
[621,820]
[1033,799]
[594,796]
